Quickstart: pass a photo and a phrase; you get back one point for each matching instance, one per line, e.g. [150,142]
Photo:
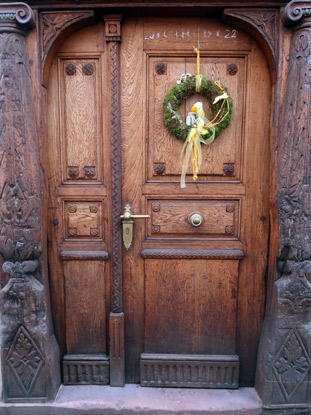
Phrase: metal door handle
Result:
[127,225]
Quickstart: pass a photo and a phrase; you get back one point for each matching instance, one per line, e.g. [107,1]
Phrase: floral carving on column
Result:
[283,369]
[30,356]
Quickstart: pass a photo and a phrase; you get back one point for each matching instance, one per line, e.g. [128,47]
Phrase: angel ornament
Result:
[195,115]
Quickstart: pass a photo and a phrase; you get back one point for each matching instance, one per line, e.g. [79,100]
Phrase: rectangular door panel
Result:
[184,300]
[222,160]
[80,108]
[85,307]
[172,218]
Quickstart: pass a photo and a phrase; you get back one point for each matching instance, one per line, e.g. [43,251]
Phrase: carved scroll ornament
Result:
[16,17]
[295,11]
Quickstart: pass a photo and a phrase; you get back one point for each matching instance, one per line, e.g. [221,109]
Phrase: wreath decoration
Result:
[197,129]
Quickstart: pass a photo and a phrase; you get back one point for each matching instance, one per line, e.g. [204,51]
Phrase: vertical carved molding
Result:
[29,351]
[116,320]
[283,369]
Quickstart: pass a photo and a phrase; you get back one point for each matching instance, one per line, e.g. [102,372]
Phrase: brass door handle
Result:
[195,219]
[127,225]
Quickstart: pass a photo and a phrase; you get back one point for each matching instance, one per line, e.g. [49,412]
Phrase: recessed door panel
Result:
[224,161]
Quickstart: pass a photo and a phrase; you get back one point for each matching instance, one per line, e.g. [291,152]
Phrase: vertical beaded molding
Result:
[116,318]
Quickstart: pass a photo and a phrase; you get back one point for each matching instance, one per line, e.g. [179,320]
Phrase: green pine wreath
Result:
[174,98]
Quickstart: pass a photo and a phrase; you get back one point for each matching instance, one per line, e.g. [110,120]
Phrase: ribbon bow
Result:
[192,146]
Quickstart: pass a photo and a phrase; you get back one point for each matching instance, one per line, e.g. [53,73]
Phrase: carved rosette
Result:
[285,348]
[26,331]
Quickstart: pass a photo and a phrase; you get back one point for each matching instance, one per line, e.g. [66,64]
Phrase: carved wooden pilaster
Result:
[29,352]
[283,375]
[116,320]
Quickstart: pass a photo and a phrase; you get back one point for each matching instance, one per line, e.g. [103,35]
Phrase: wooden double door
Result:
[193,297]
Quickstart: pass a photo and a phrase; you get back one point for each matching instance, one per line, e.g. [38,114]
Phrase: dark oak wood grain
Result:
[282,377]
[29,351]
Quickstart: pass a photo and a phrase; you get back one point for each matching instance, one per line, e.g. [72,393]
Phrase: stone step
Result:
[137,400]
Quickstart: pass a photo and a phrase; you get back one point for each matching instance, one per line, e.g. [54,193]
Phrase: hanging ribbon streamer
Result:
[192,148]
[201,127]
[199,76]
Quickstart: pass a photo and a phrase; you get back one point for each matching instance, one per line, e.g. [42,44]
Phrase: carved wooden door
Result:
[193,297]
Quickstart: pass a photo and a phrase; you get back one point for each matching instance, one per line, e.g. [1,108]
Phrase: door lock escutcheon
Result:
[127,225]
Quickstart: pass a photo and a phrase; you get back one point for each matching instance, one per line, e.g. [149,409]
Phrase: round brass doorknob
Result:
[195,219]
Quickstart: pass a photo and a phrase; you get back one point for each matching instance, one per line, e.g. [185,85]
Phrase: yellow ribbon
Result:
[192,148]
[199,76]
[225,99]
[217,83]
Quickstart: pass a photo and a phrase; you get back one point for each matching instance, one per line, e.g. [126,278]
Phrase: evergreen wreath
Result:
[220,116]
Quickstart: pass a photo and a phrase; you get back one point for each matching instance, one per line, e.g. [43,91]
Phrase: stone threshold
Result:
[137,400]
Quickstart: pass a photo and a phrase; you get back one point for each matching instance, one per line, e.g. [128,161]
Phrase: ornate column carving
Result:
[116,319]
[283,375]
[29,351]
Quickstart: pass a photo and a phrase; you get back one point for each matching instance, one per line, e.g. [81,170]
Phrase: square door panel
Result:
[83,220]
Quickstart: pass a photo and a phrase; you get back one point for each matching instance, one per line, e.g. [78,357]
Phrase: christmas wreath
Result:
[197,129]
